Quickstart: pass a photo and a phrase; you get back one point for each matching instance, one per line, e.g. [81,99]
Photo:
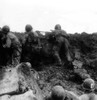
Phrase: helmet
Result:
[57,92]
[28,64]
[88,84]
[28,28]
[5,29]
[57,27]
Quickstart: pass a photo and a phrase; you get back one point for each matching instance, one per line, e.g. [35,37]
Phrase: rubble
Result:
[19,83]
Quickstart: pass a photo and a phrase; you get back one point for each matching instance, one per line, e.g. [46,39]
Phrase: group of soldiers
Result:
[59,93]
[11,47]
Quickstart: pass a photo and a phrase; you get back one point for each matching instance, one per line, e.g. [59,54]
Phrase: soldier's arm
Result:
[83,97]
[90,96]
[72,95]
[64,33]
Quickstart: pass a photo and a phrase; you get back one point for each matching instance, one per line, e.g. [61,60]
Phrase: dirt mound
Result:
[19,83]
[84,64]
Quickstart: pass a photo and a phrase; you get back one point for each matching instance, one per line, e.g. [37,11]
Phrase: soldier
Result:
[28,29]
[60,31]
[31,35]
[31,43]
[59,39]
[59,93]
[10,46]
[88,86]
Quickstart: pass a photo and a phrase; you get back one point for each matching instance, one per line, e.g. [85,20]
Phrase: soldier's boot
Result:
[68,53]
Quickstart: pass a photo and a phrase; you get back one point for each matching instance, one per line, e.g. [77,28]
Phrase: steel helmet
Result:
[88,84]
[57,27]
[28,64]
[57,92]
[5,29]
[28,28]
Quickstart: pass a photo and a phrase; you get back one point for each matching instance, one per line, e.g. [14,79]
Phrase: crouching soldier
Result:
[10,47]
[59,93]
[88,86]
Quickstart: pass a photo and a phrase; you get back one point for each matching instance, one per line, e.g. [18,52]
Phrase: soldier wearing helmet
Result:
[57,27]
[28,28]
[56,93]
[88,86]
[59,93]
[30,33]
[31,43]
[5,29]
[59,31]
[10,47]
[59,37]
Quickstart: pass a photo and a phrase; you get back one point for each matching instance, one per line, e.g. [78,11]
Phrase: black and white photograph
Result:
[48,49]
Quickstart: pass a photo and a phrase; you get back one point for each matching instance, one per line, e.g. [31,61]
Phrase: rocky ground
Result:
[69,75]
[84,48]
[84,64]
[55,75]
[68,78]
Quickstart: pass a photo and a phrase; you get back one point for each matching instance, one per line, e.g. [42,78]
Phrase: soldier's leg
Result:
[9,56]
[27,53]
[16,56]
[56,55]
[68,53]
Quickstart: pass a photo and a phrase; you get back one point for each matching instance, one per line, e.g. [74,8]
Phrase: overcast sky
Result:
[73,15]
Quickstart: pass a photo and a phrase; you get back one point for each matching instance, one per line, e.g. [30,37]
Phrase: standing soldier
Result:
[31,43]
[60,40]
[28,29]
[10,47]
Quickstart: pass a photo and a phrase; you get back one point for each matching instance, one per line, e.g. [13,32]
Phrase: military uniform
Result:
[59,38]
[31,43]
[88,86]
[59,93]
[10,47]
[16,49]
